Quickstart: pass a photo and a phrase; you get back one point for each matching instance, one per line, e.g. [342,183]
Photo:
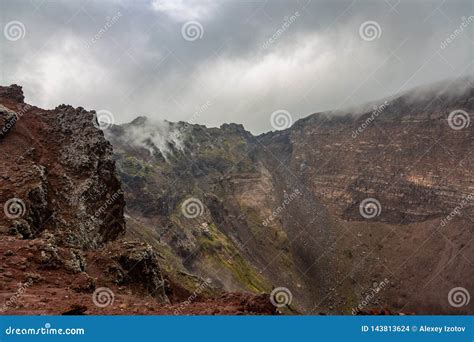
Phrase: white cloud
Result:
[184,10]
[229,76]
[58,74]
[248,89]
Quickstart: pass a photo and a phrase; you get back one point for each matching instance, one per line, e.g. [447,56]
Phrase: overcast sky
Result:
[213,62]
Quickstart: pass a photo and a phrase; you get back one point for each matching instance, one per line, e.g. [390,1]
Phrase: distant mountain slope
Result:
[283,209]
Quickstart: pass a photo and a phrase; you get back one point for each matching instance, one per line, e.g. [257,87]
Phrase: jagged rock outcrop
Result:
[139,265]
[57,174]
[7,120]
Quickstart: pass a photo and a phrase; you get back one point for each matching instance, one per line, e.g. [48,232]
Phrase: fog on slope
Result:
[166,137]
[428,93]
[156,136]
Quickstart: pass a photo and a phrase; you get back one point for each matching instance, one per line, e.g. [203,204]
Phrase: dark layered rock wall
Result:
[402,152]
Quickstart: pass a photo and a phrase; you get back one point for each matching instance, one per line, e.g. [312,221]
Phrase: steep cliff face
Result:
[407,156]
[199,195]
[57,174]
[326,208]
[409,159]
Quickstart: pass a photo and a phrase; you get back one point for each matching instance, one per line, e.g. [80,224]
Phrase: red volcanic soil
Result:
[58,291]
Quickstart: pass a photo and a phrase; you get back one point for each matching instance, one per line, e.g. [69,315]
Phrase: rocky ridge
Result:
[63,231]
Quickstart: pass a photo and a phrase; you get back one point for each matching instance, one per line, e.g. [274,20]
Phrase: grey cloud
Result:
[141,65]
